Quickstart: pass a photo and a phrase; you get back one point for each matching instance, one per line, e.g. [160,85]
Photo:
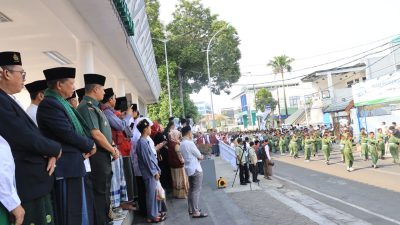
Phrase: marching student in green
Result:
[341,146]
[287,141]
[313,144]
[326,141]
[318,142]
[293,146]
[308,142]
[300,138]
[282,147]
[381,143]
[348,152]
[394,146]
[274,143]
[372,149]
[363,139]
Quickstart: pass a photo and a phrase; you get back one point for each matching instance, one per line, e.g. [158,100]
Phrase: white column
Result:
[85,61]
[120,92]
[330,86]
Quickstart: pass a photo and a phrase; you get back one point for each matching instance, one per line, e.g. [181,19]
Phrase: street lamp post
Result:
[166,64]
[208,71]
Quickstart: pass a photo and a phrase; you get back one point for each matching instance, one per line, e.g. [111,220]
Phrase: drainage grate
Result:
[4,18]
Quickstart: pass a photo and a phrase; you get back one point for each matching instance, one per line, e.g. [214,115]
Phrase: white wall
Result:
[373,123]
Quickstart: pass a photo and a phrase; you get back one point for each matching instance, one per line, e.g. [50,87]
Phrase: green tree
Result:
[280,65]
[189,33]
[263,98]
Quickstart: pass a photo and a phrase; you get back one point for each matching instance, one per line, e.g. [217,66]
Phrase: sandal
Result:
[162,214]
[201,215]
[156,220]
[191,213]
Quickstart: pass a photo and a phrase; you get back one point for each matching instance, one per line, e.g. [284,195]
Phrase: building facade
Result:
[105,37]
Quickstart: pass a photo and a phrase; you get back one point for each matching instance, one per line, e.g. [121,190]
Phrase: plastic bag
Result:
[160,191]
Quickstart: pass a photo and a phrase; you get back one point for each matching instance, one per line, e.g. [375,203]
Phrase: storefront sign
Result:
[384,89]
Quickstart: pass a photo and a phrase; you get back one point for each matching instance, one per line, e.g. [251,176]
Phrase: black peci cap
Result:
[36,86]
[142,125]
[121,104]
[92,78]
[108,93]
[10,59]
[59,73]
[134,107]
[80,92]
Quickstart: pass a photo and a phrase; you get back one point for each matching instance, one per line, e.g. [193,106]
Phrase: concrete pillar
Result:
[330,86]
[85,61]
[120,92]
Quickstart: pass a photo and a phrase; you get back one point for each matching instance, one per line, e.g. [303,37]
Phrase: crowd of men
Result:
[70,161]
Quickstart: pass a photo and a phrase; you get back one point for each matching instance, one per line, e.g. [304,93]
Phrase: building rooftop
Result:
[337,70]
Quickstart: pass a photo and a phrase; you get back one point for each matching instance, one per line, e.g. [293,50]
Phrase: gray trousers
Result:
[195,183]
[151,200]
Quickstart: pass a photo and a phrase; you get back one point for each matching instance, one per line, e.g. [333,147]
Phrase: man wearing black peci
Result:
[34,154]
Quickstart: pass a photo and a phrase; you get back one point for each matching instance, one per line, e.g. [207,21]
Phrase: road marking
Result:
[341,201]
[335,215]
[299,208]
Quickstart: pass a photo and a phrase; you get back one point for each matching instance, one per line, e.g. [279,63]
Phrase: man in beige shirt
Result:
[253,162]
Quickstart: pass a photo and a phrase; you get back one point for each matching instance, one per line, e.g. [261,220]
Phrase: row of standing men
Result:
[63,164]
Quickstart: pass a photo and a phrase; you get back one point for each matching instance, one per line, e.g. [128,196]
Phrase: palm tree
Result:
[281,64]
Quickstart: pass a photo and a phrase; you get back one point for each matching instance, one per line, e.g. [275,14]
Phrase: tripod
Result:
[237,170]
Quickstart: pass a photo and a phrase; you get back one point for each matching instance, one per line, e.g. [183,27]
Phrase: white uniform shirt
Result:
[8,192]
[190,154]
[267,152]
[32,111]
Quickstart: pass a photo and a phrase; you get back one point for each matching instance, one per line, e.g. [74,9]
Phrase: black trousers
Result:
[101,178]
[254,172]
[260,168]
[141,195]
[244,173]
[215,149]
[128,172]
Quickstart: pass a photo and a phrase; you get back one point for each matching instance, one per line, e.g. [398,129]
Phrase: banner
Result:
[379,90]
[228,154]
[243,103]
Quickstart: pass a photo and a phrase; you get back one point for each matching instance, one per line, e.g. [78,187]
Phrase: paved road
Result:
[300,193]
[370,204]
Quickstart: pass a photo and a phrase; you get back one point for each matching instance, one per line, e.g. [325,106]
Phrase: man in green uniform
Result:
[293,146]
[348,152]
[394,145]
[380,137]
[307,147]
[282,144]
[101,132]
[364,144]
[326,146]
[372,148]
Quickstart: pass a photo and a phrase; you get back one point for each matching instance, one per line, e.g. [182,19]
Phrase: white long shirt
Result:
[32,111]
[267,152]
[8,192]
[191,156]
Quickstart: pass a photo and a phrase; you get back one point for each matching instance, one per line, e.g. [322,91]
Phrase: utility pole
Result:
[180,78]
[209,76]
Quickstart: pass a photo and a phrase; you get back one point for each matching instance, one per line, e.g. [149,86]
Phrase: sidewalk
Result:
[234,206]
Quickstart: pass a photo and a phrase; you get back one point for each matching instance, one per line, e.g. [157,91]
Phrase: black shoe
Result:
[243,183]
[247,182]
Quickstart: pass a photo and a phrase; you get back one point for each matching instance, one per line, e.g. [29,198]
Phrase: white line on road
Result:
[299,208]
[341,201]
